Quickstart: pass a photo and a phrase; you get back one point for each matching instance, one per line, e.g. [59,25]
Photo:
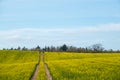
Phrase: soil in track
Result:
[34,76]
[48,75]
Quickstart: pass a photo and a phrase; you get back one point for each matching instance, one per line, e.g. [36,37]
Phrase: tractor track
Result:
[48,75]
[34,76]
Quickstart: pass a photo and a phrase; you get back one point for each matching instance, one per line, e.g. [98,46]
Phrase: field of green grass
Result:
[83,66]
[17,65]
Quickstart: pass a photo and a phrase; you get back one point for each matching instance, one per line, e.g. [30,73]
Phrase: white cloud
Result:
[28,33]
[56,36]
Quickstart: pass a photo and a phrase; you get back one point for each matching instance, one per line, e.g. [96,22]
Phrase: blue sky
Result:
[55,22]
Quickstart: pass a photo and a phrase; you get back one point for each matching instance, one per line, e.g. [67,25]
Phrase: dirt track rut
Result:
[48,75]
[34,76]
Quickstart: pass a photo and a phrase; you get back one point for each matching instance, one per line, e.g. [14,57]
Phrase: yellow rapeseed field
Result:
[84,66]
[17,65]
[20,65]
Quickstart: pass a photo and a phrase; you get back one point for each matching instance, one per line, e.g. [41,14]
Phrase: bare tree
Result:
[97,48]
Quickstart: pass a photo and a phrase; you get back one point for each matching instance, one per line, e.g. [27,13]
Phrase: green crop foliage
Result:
[17,65]
[83,66]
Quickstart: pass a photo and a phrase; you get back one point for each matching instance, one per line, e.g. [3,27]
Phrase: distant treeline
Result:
[96,48]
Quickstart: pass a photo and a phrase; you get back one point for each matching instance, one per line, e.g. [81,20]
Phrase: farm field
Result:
[17,65]
[41,73]
[20,65]
[83,66]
